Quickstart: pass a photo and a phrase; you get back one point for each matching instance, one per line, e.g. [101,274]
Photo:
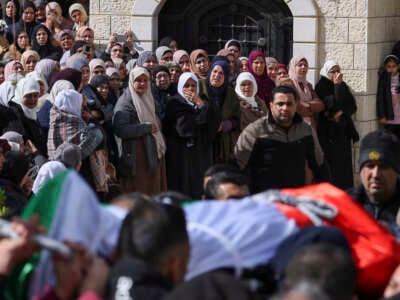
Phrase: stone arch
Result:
[305,27]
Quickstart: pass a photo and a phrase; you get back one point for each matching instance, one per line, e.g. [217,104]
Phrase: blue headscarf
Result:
[218,93]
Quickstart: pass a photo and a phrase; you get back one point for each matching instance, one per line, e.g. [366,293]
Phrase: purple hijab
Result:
[264,84]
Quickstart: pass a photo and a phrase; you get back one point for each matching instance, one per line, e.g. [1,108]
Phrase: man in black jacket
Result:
[153,251]
[379,192]
[276,150]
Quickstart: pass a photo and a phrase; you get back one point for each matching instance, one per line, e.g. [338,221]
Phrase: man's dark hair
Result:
[214,169]
[283,89]
[212,189]
[171,197]
[150,229]
[329,267]
[76,46]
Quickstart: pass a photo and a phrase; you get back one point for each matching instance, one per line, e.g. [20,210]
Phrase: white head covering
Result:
[69,101]
[145,107]
[7,88]
[24,87]
[59,86]
[243,77]
[78,6]
[14,139]
[38,77]
[46,172]
[328,65]
[182,81]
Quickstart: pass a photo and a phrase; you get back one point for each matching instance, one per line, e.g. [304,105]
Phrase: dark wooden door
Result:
[265,25]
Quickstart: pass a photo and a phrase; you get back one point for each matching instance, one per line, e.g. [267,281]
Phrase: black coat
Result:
[30,129]
[335,137]
[189,131]
[384,105]
[137,279]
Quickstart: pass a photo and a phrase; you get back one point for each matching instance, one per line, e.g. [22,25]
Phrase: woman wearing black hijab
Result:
[12,12]
[26,23]
[43,43]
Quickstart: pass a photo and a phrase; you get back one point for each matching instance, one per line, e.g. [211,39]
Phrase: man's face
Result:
[232,191]
[283,109]
[379,180]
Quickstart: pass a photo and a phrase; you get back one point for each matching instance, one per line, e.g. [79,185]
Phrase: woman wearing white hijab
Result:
[142,146]
[336,129]
[190,126]
[25,107]
[251,106]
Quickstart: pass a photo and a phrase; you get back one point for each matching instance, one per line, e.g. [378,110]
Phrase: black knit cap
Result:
[159,69]
[380,146]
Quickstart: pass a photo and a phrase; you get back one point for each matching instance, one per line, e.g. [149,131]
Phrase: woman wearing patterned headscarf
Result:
[216,88]
[148,60]
[309,105]
[142,164]
[199,63]
[336,130]
[181,57]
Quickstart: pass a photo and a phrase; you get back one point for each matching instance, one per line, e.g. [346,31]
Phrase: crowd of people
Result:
[152,132]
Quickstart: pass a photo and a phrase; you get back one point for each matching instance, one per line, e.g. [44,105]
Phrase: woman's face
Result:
[18,68]
[392,67]
[99,70]
[66,42]
[282,73]
[28,15]
[166,58]
[123,72]
[217,76]
[190,86]
[23,40]
[258,66]
[184,64]
[141,84]
[247,88]
[41,37]
[10,9]
[202,64]
[115,82]
[173,46]
[42,88]
[333,71]
[103,90]
[76,16]
[85,75]
[243,66]
[150,64]
[302,68]
[88,36]
[175,73]
[272,70]
[30,100]
[162,80]
[235,51]
[30,64]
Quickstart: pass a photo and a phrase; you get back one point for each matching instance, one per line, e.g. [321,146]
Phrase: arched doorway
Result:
[266,25]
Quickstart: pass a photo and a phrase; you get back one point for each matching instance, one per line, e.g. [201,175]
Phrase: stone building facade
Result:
[357,33]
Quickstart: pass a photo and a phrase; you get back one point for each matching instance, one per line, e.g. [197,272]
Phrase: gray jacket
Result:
[128,129]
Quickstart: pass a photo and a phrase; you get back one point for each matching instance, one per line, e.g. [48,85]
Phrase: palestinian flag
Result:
[70,210]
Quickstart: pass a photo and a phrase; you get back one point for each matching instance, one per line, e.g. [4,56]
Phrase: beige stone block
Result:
[360,56]
[376,30]
[146,7]
[305,29]
[372,81]
[116,7]
[101,25]
[144,28]
[393,28]
[307,50]
[342,53]
[366,127]
[346,8]
[334,30]
[143,46]
[356,80]
[389,8]
[362,8]
[366,108]
[328,8]
[357,30]
[313,76]
[94,7]
[120,24]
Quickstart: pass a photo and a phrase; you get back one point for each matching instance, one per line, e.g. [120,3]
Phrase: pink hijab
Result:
[300,81]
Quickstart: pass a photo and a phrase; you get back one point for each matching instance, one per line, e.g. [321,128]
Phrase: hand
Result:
[16,250]
[383,121]
[337,116]
[338,78]
[113,39]
[30,147]
[70,272]
[129,40]
[219,128]
[96,278]
[154,128]
[26,185]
